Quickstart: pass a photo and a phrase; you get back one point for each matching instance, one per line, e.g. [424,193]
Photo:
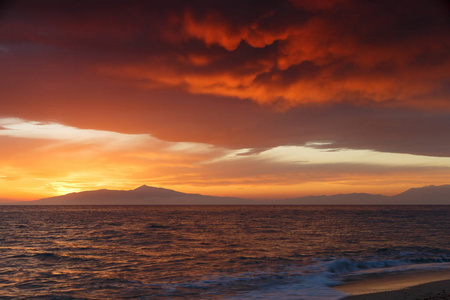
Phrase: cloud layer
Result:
[48,158]
[283,53]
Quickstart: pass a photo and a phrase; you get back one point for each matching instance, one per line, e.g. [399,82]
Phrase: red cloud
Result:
[330,51]
[393,52]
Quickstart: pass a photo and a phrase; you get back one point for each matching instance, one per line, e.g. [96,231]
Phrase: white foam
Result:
[314,287]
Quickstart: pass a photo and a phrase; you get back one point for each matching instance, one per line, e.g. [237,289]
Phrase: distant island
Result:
[146,195]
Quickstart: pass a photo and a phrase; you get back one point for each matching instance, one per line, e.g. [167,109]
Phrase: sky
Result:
[255,99]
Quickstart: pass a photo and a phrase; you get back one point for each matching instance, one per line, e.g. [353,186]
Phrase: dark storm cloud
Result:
[360,74]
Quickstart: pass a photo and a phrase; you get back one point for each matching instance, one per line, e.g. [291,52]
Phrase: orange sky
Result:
[259,99]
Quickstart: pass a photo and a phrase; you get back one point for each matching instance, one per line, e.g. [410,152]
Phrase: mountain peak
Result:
[142,187]
[154,191]
[146,188]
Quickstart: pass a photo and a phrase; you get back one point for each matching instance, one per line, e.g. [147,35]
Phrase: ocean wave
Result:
[314,281]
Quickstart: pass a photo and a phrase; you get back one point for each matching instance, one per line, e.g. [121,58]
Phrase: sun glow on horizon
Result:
[66,159]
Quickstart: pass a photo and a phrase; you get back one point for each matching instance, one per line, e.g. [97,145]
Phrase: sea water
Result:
[212,252]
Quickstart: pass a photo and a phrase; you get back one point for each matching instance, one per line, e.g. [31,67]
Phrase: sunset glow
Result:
[256,99]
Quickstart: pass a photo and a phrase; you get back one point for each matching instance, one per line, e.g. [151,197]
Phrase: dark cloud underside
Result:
[257,74]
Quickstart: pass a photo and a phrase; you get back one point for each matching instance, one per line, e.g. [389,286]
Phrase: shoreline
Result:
[436,290]
[427,285]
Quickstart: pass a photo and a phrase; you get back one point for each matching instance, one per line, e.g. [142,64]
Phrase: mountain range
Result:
[146,195]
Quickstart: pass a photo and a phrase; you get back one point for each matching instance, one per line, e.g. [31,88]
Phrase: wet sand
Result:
[423,285]
[439,290]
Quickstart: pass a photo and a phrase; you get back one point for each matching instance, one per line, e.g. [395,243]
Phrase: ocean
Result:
[212,252]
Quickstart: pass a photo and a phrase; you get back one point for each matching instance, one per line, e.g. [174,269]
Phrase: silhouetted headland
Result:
[146,195]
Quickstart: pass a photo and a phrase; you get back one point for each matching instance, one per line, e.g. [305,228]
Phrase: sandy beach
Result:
[438,290]
[429,285]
